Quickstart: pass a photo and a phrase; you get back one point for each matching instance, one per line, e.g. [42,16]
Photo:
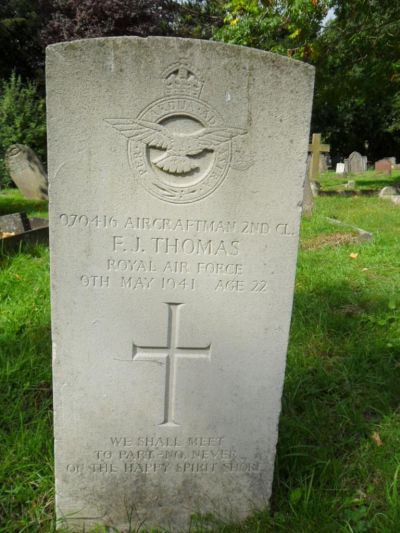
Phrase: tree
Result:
[358,78]
[22,119]
[77,19]
[19,37]
[357,59]
[288,27]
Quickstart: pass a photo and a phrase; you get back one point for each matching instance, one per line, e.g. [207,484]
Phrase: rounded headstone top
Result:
[388,191]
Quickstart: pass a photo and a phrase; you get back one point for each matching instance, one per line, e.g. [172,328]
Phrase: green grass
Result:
[368,180]
[12,201]
[338,460]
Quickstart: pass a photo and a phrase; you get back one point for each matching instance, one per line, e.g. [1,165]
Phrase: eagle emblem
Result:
[179,146]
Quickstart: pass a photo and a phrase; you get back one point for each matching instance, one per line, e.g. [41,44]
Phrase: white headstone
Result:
[173,260]
[26,171]
[340,168]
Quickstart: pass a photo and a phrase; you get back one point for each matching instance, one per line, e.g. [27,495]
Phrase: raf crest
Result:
[179,146]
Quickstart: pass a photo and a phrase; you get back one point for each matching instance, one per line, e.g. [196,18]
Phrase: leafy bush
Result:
[22,120]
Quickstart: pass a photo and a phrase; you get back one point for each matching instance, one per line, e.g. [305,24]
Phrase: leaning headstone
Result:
[384,165]
[357,164]
[340,168]
[26,171]
[387,192]
[173,260]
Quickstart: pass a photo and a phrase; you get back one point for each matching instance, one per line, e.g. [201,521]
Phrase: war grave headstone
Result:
[385,166]
[26,171]
[173,255]
[356,163]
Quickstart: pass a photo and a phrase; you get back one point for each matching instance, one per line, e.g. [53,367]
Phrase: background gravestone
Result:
[356,163]
[340,168]
[14,223]
[392,160]
[173,255]
[384,165]
[323,163]
[26,171]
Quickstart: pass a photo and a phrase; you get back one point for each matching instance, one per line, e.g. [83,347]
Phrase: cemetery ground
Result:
[368,181]
[338,461]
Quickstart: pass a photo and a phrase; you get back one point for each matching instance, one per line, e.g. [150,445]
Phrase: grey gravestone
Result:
[26,171]
[173,254]
[14,223]
[387,192]
[356,163]
[392,160]
[323,163]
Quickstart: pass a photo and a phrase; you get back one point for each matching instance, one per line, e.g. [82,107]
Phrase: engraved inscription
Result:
[149,454]
[170,354]
[178,255]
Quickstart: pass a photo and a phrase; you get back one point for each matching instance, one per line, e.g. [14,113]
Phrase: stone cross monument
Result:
[316,148]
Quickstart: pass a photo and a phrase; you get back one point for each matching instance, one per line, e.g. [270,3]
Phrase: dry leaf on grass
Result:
[5,234]
[377,438]
[353,255]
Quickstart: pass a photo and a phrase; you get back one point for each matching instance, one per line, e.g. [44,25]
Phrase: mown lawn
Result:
[368,180]
[338,461]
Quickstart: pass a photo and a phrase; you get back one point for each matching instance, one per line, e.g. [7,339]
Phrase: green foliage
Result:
[357,94]
[369,180]
[358,78]
[77,19]
[19,38]
[286,27]
[198,18]
[22,119]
